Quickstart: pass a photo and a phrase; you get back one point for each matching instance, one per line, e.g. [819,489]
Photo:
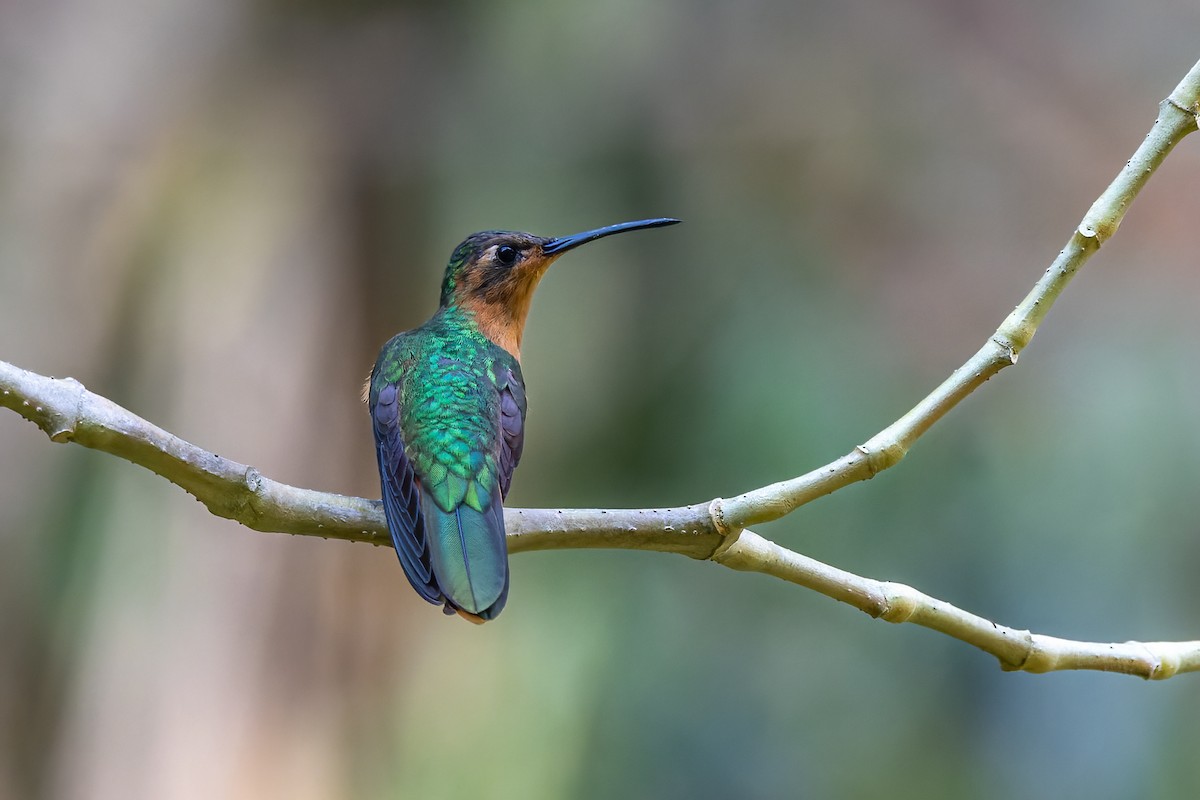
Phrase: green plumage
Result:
[450,382]
[449,406]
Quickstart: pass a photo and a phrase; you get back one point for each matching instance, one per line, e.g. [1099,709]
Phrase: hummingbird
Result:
[447,404]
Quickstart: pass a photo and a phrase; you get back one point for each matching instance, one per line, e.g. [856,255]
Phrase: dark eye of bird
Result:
[506,255]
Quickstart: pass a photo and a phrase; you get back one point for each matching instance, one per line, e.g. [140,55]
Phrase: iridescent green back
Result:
[457,422]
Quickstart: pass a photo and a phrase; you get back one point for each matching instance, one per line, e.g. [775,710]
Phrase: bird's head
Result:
[493,274]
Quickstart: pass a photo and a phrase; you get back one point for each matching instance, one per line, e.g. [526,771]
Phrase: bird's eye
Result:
[506,255]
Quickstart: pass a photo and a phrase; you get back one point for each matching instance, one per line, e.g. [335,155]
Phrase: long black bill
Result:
[561,244]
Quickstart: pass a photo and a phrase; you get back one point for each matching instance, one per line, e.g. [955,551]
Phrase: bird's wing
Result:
[401,492]
[512,423]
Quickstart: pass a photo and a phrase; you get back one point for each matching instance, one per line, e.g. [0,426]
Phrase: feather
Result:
[469,555]
[512,425]
[401,496]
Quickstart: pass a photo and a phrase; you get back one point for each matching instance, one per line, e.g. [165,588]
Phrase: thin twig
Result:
[1176,119]
[895,602]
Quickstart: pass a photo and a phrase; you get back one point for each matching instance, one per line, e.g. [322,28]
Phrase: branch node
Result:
[1163,663]
[1008,350]
[1191,109]
[869,459]
[736,551]
[248,508]
[253,480]
[1096,229]
[900,602]
[716,513]
[881,457]
[60,427]
[1033,657]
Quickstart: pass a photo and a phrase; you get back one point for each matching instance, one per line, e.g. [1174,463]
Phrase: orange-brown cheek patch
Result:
[500,311]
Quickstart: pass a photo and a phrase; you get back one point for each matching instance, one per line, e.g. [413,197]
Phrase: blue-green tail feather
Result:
[468,554]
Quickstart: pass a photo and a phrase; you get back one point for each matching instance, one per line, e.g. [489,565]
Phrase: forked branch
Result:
[715,530]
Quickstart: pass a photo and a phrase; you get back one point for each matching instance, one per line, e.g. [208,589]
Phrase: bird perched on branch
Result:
[447,405]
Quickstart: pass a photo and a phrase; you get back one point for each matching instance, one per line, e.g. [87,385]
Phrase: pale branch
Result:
[895,602]
[1177,118]
[66,411]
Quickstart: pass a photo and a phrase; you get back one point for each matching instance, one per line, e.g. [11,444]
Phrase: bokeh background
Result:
[215,211]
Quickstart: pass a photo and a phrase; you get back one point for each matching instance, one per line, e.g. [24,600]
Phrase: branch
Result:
[67,412]
[1177,117]
[895,602]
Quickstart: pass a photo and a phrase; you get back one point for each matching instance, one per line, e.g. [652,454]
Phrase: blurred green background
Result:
[215,211]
